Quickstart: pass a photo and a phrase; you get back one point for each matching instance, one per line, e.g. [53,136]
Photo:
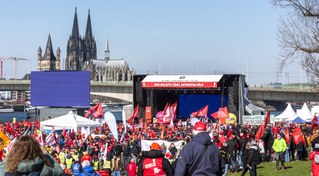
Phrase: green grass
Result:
[293,168]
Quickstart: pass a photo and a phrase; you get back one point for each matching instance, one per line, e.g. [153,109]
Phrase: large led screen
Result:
[189,103]
[60,88]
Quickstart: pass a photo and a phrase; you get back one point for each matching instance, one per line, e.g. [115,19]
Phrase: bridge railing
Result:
[284,88]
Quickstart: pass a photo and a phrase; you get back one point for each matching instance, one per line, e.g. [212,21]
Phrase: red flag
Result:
[201,113]
[297,136]
[221,113]
[39,138]
[99,111]
[216,126]
[135,114]
[287,137]
[262,127]
[314,122]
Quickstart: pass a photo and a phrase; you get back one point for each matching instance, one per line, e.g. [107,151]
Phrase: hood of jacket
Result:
[154,154]
[88,169]
[27,166]
[202,138]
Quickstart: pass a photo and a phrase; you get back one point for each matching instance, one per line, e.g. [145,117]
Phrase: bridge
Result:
[124,91]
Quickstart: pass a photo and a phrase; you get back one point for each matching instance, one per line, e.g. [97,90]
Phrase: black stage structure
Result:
[155,91]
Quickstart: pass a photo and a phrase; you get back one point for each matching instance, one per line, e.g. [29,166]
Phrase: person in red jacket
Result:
[153,163]
[131,168]
[314,156]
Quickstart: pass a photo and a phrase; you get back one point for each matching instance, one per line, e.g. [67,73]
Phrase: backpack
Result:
[316,160]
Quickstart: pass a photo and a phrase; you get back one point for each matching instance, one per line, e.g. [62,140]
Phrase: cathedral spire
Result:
[88,32]
[75,29]
[107,50]
[49,49]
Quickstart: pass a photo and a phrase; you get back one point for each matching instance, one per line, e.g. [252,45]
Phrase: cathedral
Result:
[81,55]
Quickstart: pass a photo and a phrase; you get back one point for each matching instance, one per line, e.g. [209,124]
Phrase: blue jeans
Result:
[287,155]
[226,169]
[116,173]
[234,164]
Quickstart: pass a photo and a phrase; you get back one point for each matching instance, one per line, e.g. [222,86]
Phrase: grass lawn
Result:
[293,168]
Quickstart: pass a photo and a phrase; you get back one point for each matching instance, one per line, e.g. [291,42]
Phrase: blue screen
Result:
[60,88]
[193,102]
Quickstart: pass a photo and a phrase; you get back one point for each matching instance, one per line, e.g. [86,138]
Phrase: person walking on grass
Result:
[279,147]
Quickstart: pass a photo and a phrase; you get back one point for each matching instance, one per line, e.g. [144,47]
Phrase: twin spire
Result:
[75,29]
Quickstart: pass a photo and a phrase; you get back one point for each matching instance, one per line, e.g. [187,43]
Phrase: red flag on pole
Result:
[221,113]
[262,127]
[297,136]
[93,110]
[201,113]
[135,114]
[99,111]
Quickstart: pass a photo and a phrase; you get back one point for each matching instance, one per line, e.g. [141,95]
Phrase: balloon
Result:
[232,118]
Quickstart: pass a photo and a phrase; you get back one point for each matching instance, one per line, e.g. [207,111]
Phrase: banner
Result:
[4,140]
[145,144]
[256,119]
[148,113]
[111,122]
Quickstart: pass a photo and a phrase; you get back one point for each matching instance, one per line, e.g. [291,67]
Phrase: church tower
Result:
[75,48]
[89,41]
[107,51]
[48,61]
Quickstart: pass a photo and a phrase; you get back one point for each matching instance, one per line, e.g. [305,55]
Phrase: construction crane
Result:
[15,60]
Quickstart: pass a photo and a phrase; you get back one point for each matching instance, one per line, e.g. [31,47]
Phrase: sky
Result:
[163,36]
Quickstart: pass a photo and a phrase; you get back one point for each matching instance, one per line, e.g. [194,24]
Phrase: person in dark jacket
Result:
[211,164]
[245,158]
[225,157]
[232,150]
[153,163]
[254,158]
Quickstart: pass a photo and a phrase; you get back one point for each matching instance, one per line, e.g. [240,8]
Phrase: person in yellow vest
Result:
[96,164]
[69,161]
[106,165]
[62,157]
[279,146]
[75,155]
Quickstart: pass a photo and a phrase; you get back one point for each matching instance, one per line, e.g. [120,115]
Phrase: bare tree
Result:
[299,35]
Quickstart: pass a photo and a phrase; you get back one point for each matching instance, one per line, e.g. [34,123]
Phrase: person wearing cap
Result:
[153,163]
[76,167]
[200,156]
[87,169]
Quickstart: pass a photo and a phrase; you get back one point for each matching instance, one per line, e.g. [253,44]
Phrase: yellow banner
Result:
[4,140]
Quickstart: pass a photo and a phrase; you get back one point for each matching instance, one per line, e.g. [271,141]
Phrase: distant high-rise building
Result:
[49,61]
[82,55]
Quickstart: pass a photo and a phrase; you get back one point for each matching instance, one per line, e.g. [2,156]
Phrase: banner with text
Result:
[256,119]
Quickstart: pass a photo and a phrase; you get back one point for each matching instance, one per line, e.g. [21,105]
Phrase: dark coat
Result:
[211,164]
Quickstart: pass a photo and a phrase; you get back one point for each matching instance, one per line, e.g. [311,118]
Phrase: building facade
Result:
[48,61]
[82,55]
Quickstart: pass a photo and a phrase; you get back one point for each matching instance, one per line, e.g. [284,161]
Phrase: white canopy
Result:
[69,121]
[315,110]
[304,113]
[288,115]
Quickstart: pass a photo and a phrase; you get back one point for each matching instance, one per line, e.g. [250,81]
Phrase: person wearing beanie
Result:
[153,163]
[314,157]
[200,156]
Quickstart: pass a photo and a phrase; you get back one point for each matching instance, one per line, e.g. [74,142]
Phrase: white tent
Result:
[304,113]
[315,110]
[68,121]
[288,115]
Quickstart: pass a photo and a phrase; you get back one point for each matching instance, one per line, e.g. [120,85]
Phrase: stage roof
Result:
[181,81]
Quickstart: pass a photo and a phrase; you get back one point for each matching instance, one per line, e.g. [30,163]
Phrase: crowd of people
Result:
[207,149]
